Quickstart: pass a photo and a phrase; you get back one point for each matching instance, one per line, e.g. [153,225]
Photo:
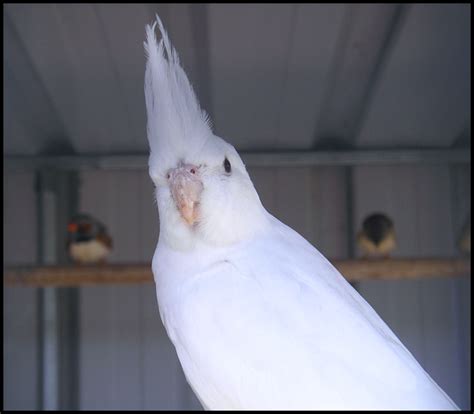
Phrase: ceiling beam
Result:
[251,159]
[199,17]
[366,39]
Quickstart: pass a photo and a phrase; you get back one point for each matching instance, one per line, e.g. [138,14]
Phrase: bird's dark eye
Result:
[227,165]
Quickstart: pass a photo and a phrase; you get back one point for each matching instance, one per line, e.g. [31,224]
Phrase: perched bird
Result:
[377,236]
[259,318]
[87,240]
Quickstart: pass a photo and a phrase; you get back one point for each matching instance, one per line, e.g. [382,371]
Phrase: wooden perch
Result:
[353,270]
[391,269]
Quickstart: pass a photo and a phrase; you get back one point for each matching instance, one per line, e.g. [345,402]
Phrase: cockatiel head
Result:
[203,190]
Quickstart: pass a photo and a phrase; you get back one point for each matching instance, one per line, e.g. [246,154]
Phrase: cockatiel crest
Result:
[177,126]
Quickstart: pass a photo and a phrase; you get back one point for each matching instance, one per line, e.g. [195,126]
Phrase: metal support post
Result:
[57,196]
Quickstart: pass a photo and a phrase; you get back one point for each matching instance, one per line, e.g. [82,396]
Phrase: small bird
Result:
[377,236]
[87,240]
[259,318]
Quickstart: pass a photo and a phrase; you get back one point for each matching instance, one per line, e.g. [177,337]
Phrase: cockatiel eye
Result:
[227,166]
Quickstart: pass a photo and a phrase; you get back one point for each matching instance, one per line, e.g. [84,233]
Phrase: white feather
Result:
[269,323]
[259,318]
[176,123]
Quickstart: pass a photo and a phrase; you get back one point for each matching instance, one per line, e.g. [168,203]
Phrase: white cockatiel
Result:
[259,318]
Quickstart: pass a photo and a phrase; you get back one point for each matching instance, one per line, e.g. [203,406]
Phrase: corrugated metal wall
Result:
[126,359]
[20,335]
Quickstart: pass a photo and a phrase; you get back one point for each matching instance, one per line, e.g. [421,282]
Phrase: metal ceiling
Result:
[272,77]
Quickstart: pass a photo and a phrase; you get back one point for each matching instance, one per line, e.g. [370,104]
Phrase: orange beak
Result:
[186,187]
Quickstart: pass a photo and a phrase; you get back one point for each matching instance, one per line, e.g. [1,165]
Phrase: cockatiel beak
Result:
[186,187]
